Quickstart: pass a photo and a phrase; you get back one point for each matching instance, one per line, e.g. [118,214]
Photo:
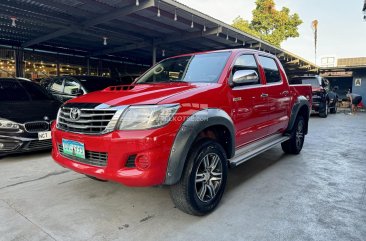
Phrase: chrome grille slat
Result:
[90,121]
[37,126]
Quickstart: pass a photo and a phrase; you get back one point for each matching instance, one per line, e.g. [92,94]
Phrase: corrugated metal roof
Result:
[82,24]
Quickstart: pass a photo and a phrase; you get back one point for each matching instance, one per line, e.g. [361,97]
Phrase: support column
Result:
[57,67]
[19,63]
[88,66]
[154,54]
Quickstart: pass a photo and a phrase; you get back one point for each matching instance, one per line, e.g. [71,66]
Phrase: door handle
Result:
[264,95]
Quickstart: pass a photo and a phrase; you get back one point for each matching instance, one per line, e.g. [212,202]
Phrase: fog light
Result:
[2,145]
[142,162]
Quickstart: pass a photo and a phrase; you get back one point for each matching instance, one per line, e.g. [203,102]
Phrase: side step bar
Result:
[249,151]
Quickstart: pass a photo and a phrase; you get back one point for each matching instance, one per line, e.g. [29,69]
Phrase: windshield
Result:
[204,68]
[96,83]
[14,90]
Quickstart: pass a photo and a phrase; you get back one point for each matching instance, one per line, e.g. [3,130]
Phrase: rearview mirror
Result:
[244,77]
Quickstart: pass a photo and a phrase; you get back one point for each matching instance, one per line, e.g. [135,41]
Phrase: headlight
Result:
[9,125]
[146,116]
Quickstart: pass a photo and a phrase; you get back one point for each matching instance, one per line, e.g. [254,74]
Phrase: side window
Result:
[270,69]
[246,62]
[72,87]
[56,85]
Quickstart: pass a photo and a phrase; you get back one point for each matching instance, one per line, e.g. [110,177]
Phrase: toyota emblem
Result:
[75,114]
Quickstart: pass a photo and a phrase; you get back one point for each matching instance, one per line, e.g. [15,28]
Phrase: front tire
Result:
[203,180]
[295,143]
[334,109]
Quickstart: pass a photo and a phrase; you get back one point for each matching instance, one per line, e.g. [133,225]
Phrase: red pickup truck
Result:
[183,123]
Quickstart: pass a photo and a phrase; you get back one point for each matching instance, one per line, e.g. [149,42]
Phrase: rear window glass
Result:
[35,91]
[14,90]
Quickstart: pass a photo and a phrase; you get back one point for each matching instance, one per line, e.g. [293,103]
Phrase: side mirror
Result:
[242,77]
[78,92]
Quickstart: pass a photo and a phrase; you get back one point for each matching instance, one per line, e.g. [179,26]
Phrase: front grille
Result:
[90,121]
[91,157]
[43,144]
[37,126]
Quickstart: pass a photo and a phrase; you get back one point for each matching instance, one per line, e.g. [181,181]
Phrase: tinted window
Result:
[196,68]
[96,83]
[246,62]
[270,69]
[307,81]
[57,85]
[11,90]
[35,91]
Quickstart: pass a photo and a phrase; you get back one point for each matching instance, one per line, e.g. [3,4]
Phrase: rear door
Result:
[278,95]
[249,105]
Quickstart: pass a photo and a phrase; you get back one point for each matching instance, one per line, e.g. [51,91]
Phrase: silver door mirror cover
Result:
[245,77]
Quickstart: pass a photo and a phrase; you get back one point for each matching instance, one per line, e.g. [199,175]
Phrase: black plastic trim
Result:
[188,134]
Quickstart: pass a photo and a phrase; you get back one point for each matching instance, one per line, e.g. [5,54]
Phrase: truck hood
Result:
[139,94]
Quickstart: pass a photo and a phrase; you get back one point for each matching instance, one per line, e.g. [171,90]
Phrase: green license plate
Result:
[73,148]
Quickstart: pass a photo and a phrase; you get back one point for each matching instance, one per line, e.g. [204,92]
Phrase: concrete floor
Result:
[317,195]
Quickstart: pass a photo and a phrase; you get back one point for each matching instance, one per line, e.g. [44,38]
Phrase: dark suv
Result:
[324,100]
[26,112]
[68,87]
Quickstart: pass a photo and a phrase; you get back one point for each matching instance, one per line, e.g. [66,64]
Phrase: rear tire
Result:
[296,141]
[324,114]
[203,180]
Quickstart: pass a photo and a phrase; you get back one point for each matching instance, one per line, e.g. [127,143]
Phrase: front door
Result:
[250,105]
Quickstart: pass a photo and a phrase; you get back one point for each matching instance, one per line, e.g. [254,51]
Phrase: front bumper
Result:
[151,146]
[24,142]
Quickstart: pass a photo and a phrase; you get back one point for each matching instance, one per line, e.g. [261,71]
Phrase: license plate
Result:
[44,135]
[73,148]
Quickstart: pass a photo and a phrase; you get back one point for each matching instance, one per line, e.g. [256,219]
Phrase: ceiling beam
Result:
[296,61]
[91,22]
[178,38]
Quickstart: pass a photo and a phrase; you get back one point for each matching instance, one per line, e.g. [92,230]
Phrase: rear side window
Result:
[270,69]
[11,90]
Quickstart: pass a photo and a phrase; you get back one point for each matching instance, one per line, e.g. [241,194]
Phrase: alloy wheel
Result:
[208,177]
[299,134]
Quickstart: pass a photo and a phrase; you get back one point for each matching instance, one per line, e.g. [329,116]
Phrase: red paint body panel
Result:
[254,117]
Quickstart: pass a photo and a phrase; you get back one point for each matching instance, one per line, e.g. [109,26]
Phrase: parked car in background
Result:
[333,100]
[183,122]
[68,87]
[324,100]
[26,113]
